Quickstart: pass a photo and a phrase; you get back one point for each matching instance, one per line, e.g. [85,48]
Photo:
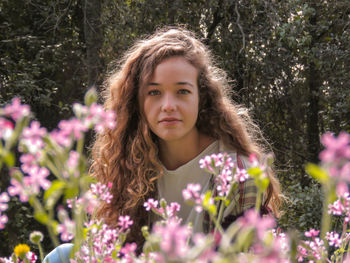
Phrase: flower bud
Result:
[36,237]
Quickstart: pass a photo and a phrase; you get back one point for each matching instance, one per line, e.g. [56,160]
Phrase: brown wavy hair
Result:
[128,155]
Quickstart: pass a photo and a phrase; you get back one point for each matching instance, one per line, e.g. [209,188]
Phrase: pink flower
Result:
[32,258]
[336,148]
[312,233]
[73,159]
[6,129]
[174,238]
[150,204]
[37,178]
[73,127]
[32,136]
[17,110]
[67,226]
[216,161]
[125,222]
[3,221]
[334,239]
[241,175]
[100,118]
[128,250]
[102,192]
[191,192]
[17,188]
[336,208]
[172,209]
[28,161]
[61,138]
[253,219]
[302,253]
[4,198]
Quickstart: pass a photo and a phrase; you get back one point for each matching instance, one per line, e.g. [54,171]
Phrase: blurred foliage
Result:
[289,62]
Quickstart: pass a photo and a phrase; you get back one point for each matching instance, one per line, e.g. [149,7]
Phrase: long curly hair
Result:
[127,156]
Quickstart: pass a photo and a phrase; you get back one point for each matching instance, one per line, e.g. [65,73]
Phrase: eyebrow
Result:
[177,83]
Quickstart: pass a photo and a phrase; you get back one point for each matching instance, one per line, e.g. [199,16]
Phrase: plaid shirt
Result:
[244,198]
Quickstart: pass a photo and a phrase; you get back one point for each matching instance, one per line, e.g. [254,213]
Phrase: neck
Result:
[175,154]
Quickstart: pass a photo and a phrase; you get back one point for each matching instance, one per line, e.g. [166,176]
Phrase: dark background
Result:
[289,61]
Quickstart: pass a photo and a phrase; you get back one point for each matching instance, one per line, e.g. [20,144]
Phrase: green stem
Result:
[36,204]
[52,235]
[258,201]
[326,217]
[221,211]
[217,225]
[41,252]
[80,145]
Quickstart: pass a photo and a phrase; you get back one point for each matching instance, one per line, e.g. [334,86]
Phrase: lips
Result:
[169,120]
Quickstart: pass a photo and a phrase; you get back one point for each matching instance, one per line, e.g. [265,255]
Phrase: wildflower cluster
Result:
[53,167]
[104,244]
[161,208]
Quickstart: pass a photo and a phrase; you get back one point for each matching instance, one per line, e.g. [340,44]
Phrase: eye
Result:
[184,91]
[153,92]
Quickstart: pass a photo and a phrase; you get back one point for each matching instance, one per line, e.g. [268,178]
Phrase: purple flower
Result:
[16,110]
[4,198]
[32,137]
[336,148]
[124,222]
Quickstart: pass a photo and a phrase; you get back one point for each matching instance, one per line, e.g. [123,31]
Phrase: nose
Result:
[169,103]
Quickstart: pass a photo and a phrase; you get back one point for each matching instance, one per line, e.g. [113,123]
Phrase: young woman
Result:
[173,108]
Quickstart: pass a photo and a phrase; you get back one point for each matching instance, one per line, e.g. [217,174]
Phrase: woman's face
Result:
[170,99]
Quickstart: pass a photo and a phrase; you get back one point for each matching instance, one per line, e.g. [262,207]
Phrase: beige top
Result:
[171,184]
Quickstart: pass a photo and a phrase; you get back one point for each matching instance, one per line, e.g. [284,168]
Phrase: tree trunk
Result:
[93,40]
[314,84]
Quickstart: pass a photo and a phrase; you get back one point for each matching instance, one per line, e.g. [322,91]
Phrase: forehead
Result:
[169,69]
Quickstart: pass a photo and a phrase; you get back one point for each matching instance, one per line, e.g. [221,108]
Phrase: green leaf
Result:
[9,158]
[262,183]
[52,194]
[41,217]
[317,173]
[254,171]
[211,208]
[55,186]
[71,192]
[90,97]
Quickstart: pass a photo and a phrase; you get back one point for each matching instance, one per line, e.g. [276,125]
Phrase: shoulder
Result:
[60,254]
[241,160]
